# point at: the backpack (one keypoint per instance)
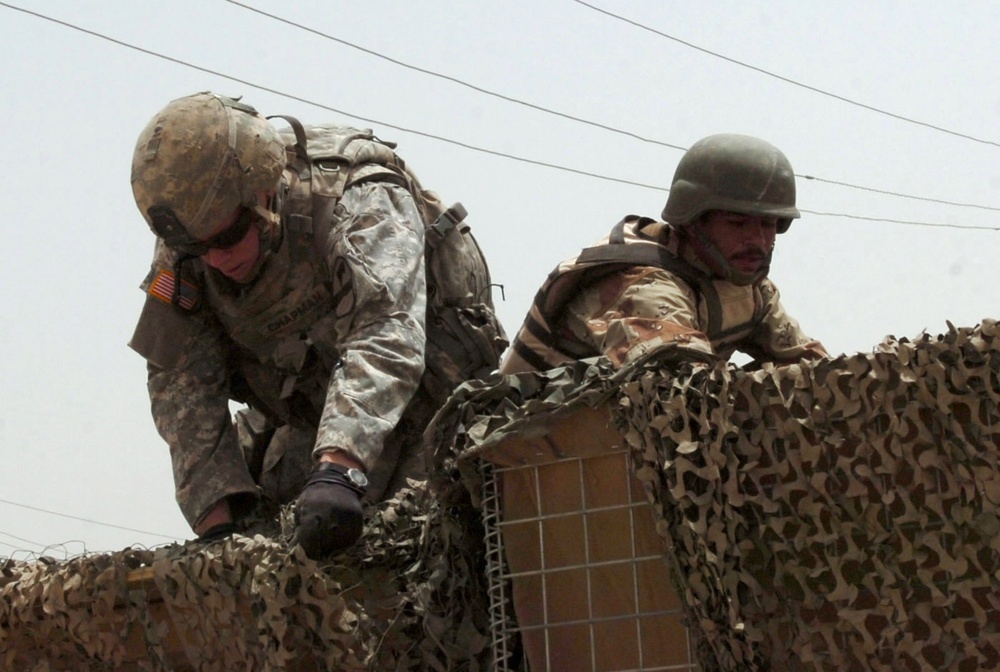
(464, 336)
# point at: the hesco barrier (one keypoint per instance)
(838, 515)
(581, 556)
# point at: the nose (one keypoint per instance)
(753, 231)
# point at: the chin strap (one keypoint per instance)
(710, 254)
(270, 231)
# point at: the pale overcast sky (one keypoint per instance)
(896, 97)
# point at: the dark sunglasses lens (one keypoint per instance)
(234, 234)
(166, 225)
(192, 249)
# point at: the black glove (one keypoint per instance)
(328, 514)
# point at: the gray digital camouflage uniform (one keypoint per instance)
(589, 307)
(327, 345)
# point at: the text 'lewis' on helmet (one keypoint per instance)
(199, 159)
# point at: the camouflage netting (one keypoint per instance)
(410, 597)
(838, 515)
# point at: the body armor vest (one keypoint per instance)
(727, 313)
(285, 323)
(285, 327)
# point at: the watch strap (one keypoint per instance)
(331, 473)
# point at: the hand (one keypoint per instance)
(328, 514)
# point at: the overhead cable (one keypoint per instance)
(85, 520)
(455, 80)
(567, 116)
(431, 136)
(14, 536)
(787, 80)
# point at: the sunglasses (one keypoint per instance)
(166, 226)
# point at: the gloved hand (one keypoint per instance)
(328, 514)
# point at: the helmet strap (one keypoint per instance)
(710, 254)
(271, 230)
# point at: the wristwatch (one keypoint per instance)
(355, 477)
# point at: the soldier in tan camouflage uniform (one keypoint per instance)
(696, 283)
(326, 346)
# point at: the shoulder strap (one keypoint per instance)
(300, 136)
(617, 251)
(447, 221)
(599, 261)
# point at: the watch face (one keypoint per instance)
(357, 477)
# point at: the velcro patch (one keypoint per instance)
(163, 289)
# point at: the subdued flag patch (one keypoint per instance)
(163, 289)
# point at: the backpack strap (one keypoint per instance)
(301, 155)
(324, 161)
(445, 223)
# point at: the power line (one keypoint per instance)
(16, 548)
(345, 113)
(893, 193)
(85, 520)
(455, 80)
(787, 80)
(900, 221)
(14, 536)
(570, 117)
(432, 136)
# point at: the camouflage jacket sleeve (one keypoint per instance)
(627, 314)
(779, 338)
(376, 251)
(189, 398)
(634, 312)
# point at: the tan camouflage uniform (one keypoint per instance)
(636, 309)
(335, 343)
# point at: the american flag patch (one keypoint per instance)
(163, 289)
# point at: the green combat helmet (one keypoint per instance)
(732, 172)
(198, 160)
(736, 173)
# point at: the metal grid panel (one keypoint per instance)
(577, 571)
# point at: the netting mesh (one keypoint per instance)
(837, 515)
(410, 597)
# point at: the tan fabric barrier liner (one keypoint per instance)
(590, 583)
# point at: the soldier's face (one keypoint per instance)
(744, 240)
(238, 260)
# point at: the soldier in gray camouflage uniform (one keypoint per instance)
(694, 287)
(325, 346)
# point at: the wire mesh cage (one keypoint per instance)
(577, 573)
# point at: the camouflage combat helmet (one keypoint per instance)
(732, 172)
(198, 160)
